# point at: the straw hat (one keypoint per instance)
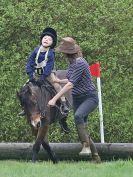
(68, 45)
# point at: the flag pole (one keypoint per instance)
(95, 71)
(100, 109)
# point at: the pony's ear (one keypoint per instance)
(29, 90)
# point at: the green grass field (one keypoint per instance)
(66, 169)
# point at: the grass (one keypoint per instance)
(66, 169)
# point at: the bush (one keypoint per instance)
(104, 31)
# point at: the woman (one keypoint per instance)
(84, 94)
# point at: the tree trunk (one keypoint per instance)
(66, 151)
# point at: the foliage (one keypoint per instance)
(104, 31)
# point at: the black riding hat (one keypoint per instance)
(50, 32)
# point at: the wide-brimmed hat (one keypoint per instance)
(68, 45)
(50, 32)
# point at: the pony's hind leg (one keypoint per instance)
(50, 152)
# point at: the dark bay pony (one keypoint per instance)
(34, 101)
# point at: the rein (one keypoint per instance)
(42, 103)
(48, 86)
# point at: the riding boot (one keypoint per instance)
(64, 107)
(64, 125)
(22, 113)
(95, 157)
(84, 138)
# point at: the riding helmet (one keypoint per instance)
(50, 32)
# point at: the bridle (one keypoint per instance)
(41, 103)
(40, 94)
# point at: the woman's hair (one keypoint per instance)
(75, 55)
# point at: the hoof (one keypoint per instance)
(96, 159)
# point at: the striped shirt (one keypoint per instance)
(79, 75)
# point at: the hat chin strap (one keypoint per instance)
(45, 47)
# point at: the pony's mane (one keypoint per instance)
(24, 94)
(29, 88)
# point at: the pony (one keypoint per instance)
(34, 101)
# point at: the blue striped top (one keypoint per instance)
(79, 74)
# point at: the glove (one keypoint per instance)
(32, 80)
(40, 82)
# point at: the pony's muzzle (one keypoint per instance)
(36, 125)
(36, 121)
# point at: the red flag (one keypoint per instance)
(95, 70)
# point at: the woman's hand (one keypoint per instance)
(56, 80)
(52, 102)
(60, 81)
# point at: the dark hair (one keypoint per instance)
(75, 55)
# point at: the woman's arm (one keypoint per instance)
(61, 81)
(65, 89)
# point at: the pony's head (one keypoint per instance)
(34, 103)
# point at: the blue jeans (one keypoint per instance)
(83, 105)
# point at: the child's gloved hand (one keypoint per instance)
(32, 80)
(40, 82)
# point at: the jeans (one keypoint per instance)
(83, 105)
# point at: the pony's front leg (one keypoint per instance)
(35, 150)
(50, 152)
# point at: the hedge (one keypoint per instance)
(104, 31)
